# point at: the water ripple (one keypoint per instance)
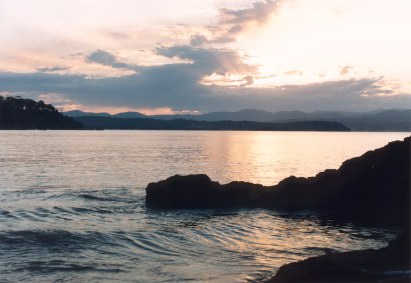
(110, 235)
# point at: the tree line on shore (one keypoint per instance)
(17, 113)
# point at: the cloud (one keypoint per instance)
(107, 59)
(259, 13)
(198, 39)
(198, 63)
(53, 69)
(180, 86)
(249, 80)
(232, 23)
(228, 81)
(344, 70)
(175, 86)
(209, 61)
(294, 73)
(117, 35)
(54, 98)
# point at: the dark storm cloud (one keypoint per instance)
(231, 23)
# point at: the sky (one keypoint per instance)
(181, 56)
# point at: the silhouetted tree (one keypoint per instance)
(17, 113)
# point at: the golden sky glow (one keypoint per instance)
(228, 47)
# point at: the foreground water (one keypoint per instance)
(72, 205)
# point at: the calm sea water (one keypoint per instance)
(72, 205)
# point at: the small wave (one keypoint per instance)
(83, 210)
(112, 195)
(53, 240)
(321, 250)
(114, 233)
(28, 215)
(65, 195)
(8, 214)
(93, 197)
(150, 244)
(64, 266)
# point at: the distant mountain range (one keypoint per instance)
(379, 120)
(78, 113)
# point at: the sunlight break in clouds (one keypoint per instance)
(170, 56)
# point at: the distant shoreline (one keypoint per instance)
(106, 123)
(391, 120)
(197, 130)
(192, 130)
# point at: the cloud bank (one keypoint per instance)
(176, 86)
(203, 73)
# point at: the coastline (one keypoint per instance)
(373, 189)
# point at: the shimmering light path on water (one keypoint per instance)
(72, 205)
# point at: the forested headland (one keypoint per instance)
(17, 113)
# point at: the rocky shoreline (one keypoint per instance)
(388, 264)
(373, 189)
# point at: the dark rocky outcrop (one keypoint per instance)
(389, 264)
(198, 191)
(372, 187)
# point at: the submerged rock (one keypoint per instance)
(374, 187)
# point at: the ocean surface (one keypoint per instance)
(72, 205)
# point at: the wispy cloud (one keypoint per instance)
(53, 69)
(232, 23)
(294, 73)
(344, 70)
